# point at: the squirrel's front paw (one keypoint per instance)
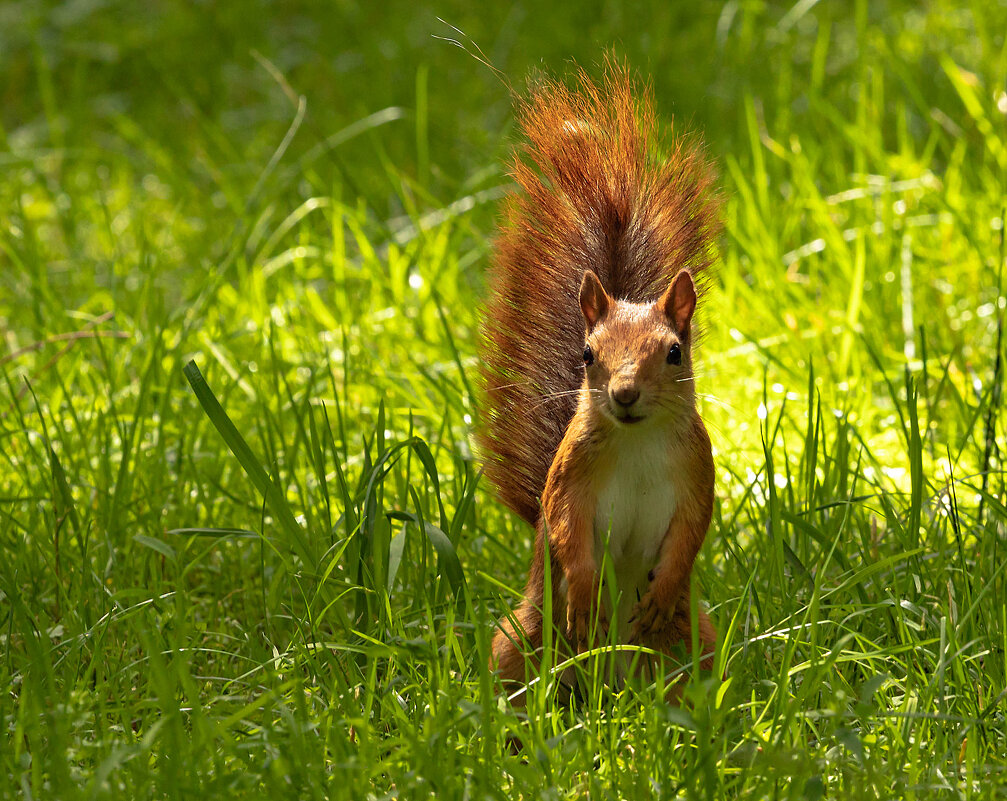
(586, 627)
(648, 619)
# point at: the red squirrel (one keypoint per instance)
(590, 426)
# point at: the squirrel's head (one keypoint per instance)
(638, 356)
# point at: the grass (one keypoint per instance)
(245, 549)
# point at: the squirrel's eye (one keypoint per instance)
(588, 355)
(675, 354)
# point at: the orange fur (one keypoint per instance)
(603, 220)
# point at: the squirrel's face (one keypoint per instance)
(638, 356)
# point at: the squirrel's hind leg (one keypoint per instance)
(674, 641)
(517, 651)
(515, 647)
(707, 636)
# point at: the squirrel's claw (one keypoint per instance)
(648, 618)
(582, 624)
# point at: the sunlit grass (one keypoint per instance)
(275, 573)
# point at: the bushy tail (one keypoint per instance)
(599, 191)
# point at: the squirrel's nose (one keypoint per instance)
(625, 395)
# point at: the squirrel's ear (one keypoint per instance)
(679, 302)
(594, 299)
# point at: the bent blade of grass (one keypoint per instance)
(447, 556)
(236, 443)
(155, 544)
(214, 532)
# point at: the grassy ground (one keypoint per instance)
(298, 604)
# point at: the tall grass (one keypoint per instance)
(246, 551)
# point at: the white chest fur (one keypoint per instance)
(636, 501)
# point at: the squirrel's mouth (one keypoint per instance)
(629, 419)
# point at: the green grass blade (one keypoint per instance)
(275, 500)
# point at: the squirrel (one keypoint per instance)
(590, 428)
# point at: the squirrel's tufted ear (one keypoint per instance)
(679, 302)
(594, 300)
